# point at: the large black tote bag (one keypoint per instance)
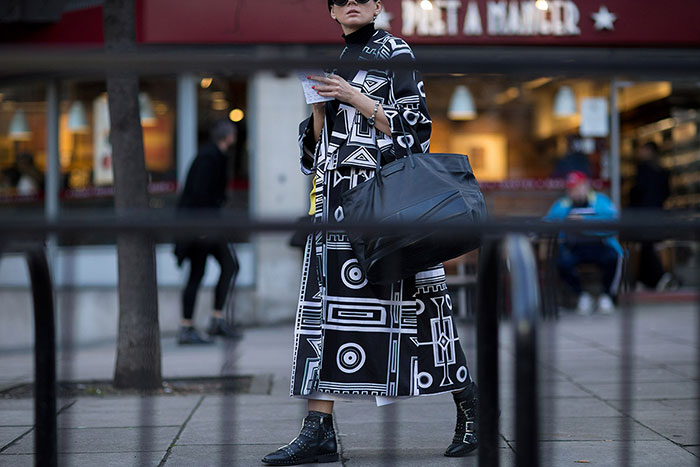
(431, 188)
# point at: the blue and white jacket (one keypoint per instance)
(603, 209)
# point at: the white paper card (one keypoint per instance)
(594, 117)
(307, 84)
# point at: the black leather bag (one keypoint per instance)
(431, 188)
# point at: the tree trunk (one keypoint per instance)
(138, 344)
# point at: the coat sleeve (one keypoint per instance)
(604, 208)
(556, 212)
(406, 104)
(199, 192)
(307, 144)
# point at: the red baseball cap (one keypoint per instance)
(575, 178)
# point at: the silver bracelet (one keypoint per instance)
(374, 114)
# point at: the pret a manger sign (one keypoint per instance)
(602, 23)
(494, 18)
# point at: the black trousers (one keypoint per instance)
(598, 253)
(197, 254)
(650, 268)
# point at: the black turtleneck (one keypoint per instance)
(361, 36)
(357, 40)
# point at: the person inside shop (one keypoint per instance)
(647, 196)
(31, 180)
(9, 177)
(205, 189)
(602, 249)
(575, 159)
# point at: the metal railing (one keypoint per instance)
(45, 438)
(501, 247)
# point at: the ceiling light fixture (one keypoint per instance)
(19, 128)
(565, 102)
(461, 104)
(146, 112)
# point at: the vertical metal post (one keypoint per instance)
(53, 169)
(45, 445)
(525, 309)
(614, 145)
(626, 364)
(487, 353)
(697, 346)
(186, 124)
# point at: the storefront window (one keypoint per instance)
(84, 148)
(85, 157)
(22, 145)
(667, 114)
(523, 136)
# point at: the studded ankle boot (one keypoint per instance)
(465, 439)
(315, 443)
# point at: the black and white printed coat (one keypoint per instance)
(352, 337)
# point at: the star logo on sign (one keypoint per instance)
(604, 19)
(383, 20)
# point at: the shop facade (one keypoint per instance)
(517, 128)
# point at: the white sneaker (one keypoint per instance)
(605, 305)
(585, 304)
(665, 282)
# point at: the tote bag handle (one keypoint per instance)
(409, 152)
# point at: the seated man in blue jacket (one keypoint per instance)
(601, 249)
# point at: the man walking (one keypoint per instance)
(205, 189)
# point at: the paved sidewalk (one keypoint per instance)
(581, 406)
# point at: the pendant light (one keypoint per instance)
(146, 112)
(461, 104)
(19, 128)
(77, 119)
(565, 102)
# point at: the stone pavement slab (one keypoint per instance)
(121, 459)
(646, 390)
(244, 455)
(104, 440)
(114, 412)
(584, 429)
(8, 434)
(419, 456)
(644, 454)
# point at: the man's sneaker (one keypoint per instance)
(189, 335)
(585, 304)
(219, 327)
(605, 305)
(666, 282)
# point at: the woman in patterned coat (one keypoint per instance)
(354, 339)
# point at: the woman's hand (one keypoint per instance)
(336, 87)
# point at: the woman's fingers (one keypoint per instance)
(321, 79)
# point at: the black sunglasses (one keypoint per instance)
(345, 2)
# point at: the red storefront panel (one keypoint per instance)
(567, 22)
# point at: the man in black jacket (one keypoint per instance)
(205, 189)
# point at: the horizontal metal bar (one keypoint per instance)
(170, 225)
(246, 59)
